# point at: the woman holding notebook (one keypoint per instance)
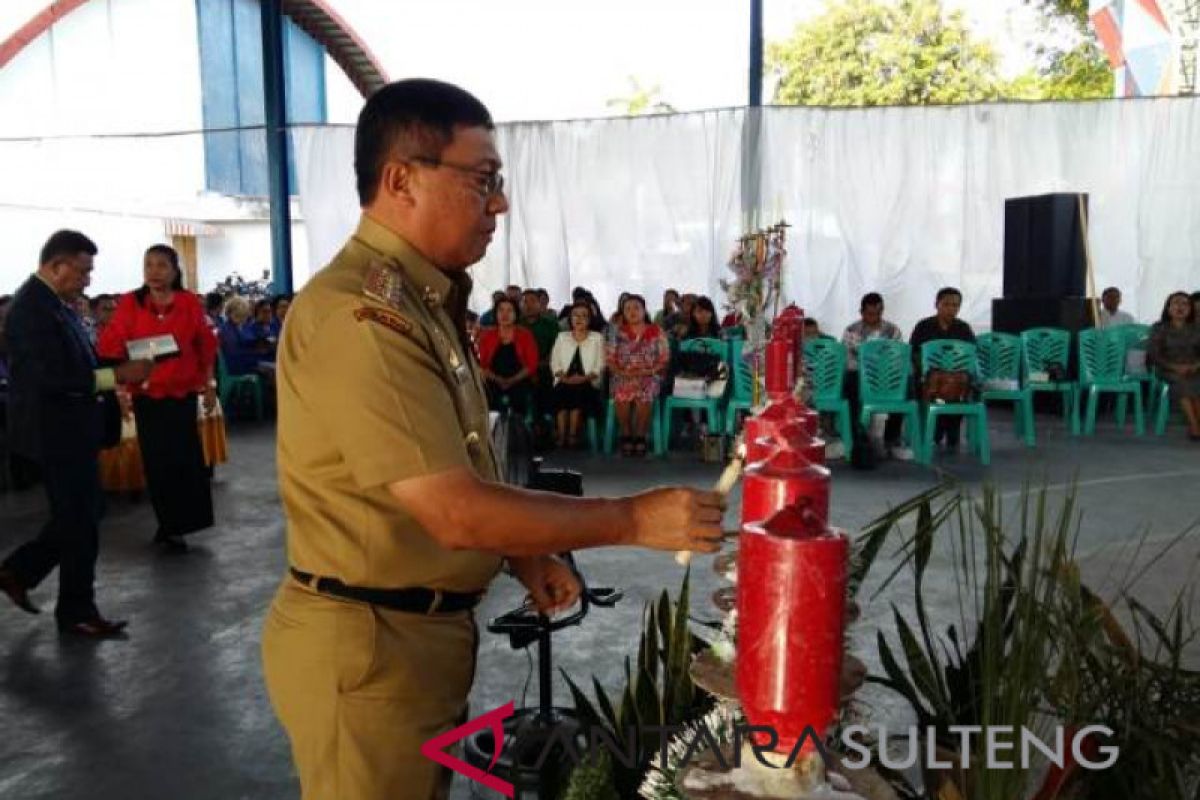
(167, 321)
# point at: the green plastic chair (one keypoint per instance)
(1137, 337)
(884, 375)
(657, 442)
(1102, 369)
(1000, 360)
(1041, 347)
(825, 367)
(231, 386)
(741, 395)
(956, 356)
(710, 405)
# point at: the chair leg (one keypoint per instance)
(844, 429)
(913, 420)
(985, 439)
(1122, 408)
(1072, 398)
(1139, 416)
(610, 428)
(1089, 425)
(667, 419)
(927, 435)
(1163, 412)
(1025, 407)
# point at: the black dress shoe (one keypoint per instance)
(98, 628)
(16, 592)
(171, 544)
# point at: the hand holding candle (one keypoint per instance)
(729, 478)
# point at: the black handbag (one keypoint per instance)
(110, 411)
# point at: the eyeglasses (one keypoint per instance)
(491, 182)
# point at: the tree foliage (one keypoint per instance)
(641, 100)
(869, 52)
(1073, 66)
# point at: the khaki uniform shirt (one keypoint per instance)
(374, 386)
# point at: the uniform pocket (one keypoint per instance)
(357, 631)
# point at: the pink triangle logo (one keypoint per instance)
(434, 749)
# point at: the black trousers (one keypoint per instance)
(895, 422)
(173, 457)
(70, 540)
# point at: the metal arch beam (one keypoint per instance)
(316, 17)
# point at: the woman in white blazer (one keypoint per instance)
(577, 362)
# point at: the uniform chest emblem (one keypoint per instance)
(385, 284)
(385, 317)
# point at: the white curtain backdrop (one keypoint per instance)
(896, 200)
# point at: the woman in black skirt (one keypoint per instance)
(577, 362)
(166, 407)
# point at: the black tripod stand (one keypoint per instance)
(531, 756)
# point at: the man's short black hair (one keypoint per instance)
(533, 292)
(66, 244)
(946, 292)
(1109, 290)
(415, 117)
(870, 299)
(213, 302)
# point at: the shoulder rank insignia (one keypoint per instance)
(385, 317)
(384, 283)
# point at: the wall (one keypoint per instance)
(245, 248)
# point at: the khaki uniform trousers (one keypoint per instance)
(360, 688)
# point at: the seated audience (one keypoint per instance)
(1174, 352)
(280, 304)
(665, 317)
(577, 362)
(509, 358)
(240, 355)
(703, 323)
(870, 326)
(1110, 315)
(637, 359)
(945, 324)
(488, 320)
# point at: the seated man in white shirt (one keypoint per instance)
(1110, 317)
(872, 326)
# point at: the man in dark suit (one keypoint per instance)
(56, 417)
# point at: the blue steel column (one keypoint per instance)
(277, 146)
(756, 52)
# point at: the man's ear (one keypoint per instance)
(396, 181)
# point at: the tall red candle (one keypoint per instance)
(779, 413)
(792, 436)
(791, 610)
(780, 373)
(786, 479)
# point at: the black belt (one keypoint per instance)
(416, 600)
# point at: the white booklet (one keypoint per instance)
(155, 348)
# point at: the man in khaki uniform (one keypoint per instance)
(396, 524)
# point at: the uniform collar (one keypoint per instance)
(435, 286)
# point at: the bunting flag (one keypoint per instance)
(1140, 45)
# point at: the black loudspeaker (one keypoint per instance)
(1017, 314)
(1043, 246)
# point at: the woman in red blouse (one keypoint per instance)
(509, 356)
(165, 406)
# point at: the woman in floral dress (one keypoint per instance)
(637, 359)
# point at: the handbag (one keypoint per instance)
(946, 386)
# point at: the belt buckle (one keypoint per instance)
(437, 602)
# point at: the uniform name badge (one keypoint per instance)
(153, 348)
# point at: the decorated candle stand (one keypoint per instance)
(779, 660)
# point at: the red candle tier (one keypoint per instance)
(791, 609)
(787, 479)
(779, 413)
(793, 436)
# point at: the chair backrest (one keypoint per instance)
(999, 357)
(1137, 338)
(743, 373)
(1102, 355)
(884, 367)
(952, 355)
(825, 366)
(716, 347)
(1044, 346)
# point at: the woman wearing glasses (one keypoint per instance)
(577, 362)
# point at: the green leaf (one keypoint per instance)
(583, 707)
(606, 706)
(897, 680)
(920, 667)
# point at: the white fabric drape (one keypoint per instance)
(896, 200)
